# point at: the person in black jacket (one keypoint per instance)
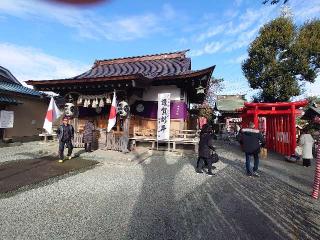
(205, 149)
(88, 135)
(65, 135)
(251, 141)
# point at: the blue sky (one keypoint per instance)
(41, 40)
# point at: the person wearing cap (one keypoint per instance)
(65, 135)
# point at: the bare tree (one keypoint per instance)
(215, 86)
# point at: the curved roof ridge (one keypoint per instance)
(159, 56)
(8, 76)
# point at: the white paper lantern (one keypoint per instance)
(79, 100)
(101, 103)
(94, 104)
(108, 99)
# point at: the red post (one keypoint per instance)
(289, 135)
(282, 135)
(271, 133)
(268, 133)
(293, 129)
(276, 132)
(255, 118)
(286, 131)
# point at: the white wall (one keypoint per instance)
(151, 93)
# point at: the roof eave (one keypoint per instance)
(35, 83)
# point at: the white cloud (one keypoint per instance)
(240, 59)
(312, 89)
(182, 41)
(27, 63)
(88, 24)
(238, 2)
(208, 48)
(238, 32)
(231, 13)
(246, 20)
(212, 31)
(130, 27)
(243, 39)
(168, 11)
(305, 10)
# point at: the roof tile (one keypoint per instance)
(11, 87)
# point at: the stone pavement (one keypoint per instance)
(157, 195)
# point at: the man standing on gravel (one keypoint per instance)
(65, 135)
(251, 141)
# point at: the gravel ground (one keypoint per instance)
(157, 195)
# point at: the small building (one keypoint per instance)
(137, 82)
(26, 107)
(312, 111)
(229, 107)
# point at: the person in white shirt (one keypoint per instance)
(306, 142)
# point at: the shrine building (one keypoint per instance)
(137, 82)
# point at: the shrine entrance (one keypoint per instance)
(277, 121)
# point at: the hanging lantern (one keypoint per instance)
(79, 100)
(200, 90)
(87, 102)
(108, 100)
(101, 103)
(94, 104)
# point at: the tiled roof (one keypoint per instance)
(311, 112)
(155, 67)
(8, 100)
(12, 87)
(149, 66)
(6, 76)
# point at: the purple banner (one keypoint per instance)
(148, 109)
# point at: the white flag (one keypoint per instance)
(52, 114)
(113, 113)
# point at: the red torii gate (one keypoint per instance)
(280, 117)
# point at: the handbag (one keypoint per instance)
(264, 153)
(214, 157)
(298, 151)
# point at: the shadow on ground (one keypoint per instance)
(22, 173)
(226, 206)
